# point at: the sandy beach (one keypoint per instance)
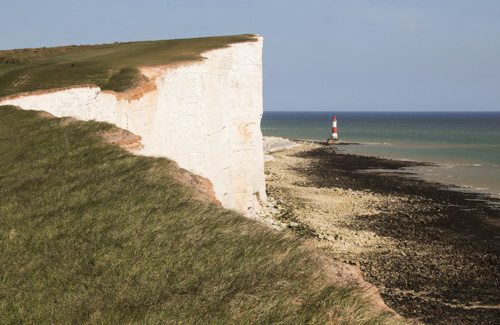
(433, 253)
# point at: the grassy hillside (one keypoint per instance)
(109, 66)
(92, 233)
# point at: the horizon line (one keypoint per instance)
(386, 111)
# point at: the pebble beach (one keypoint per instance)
(433, 253)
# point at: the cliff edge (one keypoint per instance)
(204, 114)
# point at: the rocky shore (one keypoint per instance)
(433, 253)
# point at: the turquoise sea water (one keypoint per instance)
(464, 145)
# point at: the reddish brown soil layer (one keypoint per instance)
(202, 187)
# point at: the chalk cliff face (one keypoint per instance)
(205, 115)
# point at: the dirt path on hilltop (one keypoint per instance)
(433, 253)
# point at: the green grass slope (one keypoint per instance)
(109, 66)
(90, 233)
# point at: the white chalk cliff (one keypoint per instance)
(205, 115)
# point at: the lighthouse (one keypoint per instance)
(334, 139)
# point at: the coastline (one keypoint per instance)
(448, 174)
(433, 253)
(462, 146)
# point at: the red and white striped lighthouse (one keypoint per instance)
(334, 138)
(334, 128)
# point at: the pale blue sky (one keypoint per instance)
(318, 54)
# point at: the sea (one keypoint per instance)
(463, 147)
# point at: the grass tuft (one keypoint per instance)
(122, 80)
